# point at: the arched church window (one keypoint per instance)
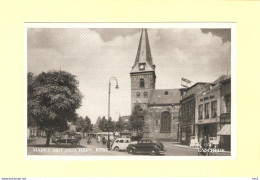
(138, 94)
(166, 122)
(145, 95)
(141, 83)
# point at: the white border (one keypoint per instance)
(216, 25)
(137, 178)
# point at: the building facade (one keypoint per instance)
(33, 132)
(177, 114)
(207, 115)
(143, 73)
(162, 117)
(161, 105)
(225, 114)
(186, 127)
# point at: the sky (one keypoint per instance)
(95, 55)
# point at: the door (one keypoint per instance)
(188, 134)
(139, 145)
(126, 143)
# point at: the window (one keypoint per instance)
(141, 83)
(138, 94)
(206, 110)
(166, 93)
(228, 103)
(214, 109)
(166, 122)
(201, 111)
(121, 141)
(145, 94)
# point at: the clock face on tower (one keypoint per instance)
(141, 66)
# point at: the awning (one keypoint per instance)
(225, 130)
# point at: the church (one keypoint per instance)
(162, 105)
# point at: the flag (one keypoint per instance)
(185, 82)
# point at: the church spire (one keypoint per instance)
(144, 60)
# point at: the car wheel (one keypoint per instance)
(116, 148)
(73, 143)
(153, 152)
(130, 151)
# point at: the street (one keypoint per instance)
(97, 149)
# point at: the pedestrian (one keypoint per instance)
(104, 141)
(204, 142)
(89, 140)
(205, 145)
(98, 138)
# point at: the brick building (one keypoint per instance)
(186, 127)
(225, 114)
(207, 115)
(161, 105)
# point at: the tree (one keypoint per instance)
(54, 101)
(136, 120)
(103, 124)
(30, 100)
(89, 126)
(106, 125)
(120, 124)
(83, 125)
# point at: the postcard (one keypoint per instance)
(131, 91)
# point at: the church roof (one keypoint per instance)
(165, 97)
(143, 53)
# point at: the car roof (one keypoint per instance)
(148, 140)
(145, 139)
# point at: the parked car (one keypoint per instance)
(121, 143)
(147, 146)
(73, 139)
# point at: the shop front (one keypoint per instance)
(186, 133)
(208, 130)
(225, 137)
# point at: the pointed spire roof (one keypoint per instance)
(144, 53)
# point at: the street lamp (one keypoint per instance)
(109, 91)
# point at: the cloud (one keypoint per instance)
(110, 34)
(95, 55)
(224, 34)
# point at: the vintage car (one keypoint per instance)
(146, 146)
(121, 144)
(73, 139)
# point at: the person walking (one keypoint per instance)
(205, 146)
(104, 141)
(204, 142)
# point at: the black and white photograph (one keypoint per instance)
(130, 89)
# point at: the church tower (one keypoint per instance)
(143, 73)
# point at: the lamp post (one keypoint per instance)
(109, 91)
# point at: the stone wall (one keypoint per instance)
(149, 85)
(153, 123)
